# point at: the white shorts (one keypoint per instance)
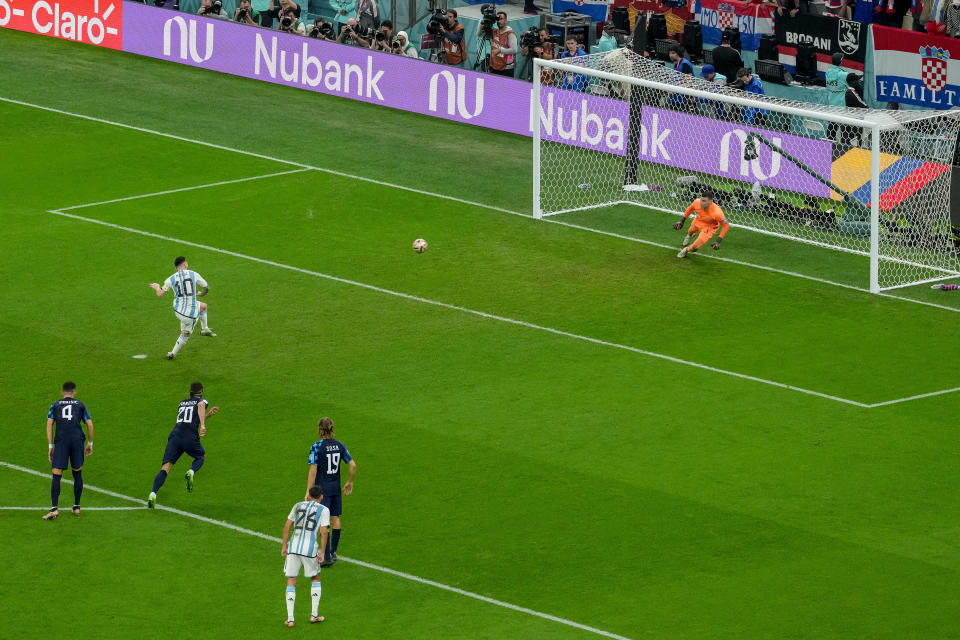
(186, 324)
(291, 568)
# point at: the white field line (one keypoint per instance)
(181, 189)
(453, 199)
(368, 565)
(482, 314)
(916, 397)
(47, 508)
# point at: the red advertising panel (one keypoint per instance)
(97, 22)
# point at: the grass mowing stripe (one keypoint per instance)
(368, 565)
(181, 189)
(455, 199)
(482, 314)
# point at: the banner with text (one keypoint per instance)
(827, 35)
(753, 20)
(916, 68)
(97, 22)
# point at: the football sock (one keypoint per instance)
(55, 490)
(335, 540)
(159, 480)
(181, 340)
(314, 598)
(77, 486)
(291, 598)
(197, 463)
(203, 320)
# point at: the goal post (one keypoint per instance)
(616, 129)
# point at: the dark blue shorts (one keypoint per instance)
(178, 444)
(334, 503)
(71, 450)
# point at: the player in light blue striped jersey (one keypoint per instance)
(301, 550)
(187, 286)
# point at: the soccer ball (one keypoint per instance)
(420, 245)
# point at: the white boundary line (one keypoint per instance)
(455, 199)
(42, 509)
(368, 565)
(916, 397)
(454, 307)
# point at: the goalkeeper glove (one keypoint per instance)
(716, 245)
(678, 226)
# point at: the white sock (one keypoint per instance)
(315, 598)
(203, 321)
(291, 598)
(181, 340)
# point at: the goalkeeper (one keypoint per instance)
(707, 219)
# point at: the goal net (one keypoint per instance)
(615, 128)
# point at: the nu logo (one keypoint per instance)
(187, 34)
(748, 168)
(460, 95)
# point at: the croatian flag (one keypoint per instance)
(753, 20)
(916, 68)
(596, 9)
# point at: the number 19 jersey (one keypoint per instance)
(327, 455)
(185, 284)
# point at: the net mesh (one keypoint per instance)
(795, 170)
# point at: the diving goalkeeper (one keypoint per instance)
(707, 218)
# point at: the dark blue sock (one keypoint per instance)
(77, 486)
(55, 490)
(335, 540)
(197, 463)
(159, 480)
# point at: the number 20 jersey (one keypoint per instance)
(188, 416)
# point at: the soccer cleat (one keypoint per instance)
(289, 623)
(683, 253)
(76, 509)
(170, 355)
(315, 619)
(327, 563)
(189, 476)
(686, 240)
(53, 514)
(208, 332)
(333, 556)
(151, 500)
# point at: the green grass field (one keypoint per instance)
(517, 398)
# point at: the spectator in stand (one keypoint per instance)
(573, 81)
(212, 9)
(368, 14)
(607, 41)
(709, 73)
(787, 8)
(681, 67)
(726, 59)
(503, 47)
(529, 8)
(343, 10)
(889, 13)
(750, 83)
(403, 46)
(454, 41)
(951, 19)
(350, 36)
(845, 10)
(854, 94)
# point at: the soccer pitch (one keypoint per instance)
(560, 432)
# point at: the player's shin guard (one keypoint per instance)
(203, 321)
(55, 491)
(77, 486)
(181, 340)
(197, 463)
(314, 598)
(334, 540)
(291, 599)
(159, 480)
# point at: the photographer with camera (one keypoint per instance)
(503, 41)
(383, 38)
(212, 9)
(321, 30)
(291, 23)
(246, 14)
(402, 46)
(454, 39)
(353, 35)
(537, 43)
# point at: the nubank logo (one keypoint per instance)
(456, 94)
(748, 168)
(188, 35)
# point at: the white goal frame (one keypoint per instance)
(874, 122)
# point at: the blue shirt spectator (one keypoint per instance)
(751, 84)
(574, 81)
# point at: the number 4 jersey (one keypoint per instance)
(69, 415)
(327, 455)
(185, 284)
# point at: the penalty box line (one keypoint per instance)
(432, 194)
(482, 314)
(368, 565)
